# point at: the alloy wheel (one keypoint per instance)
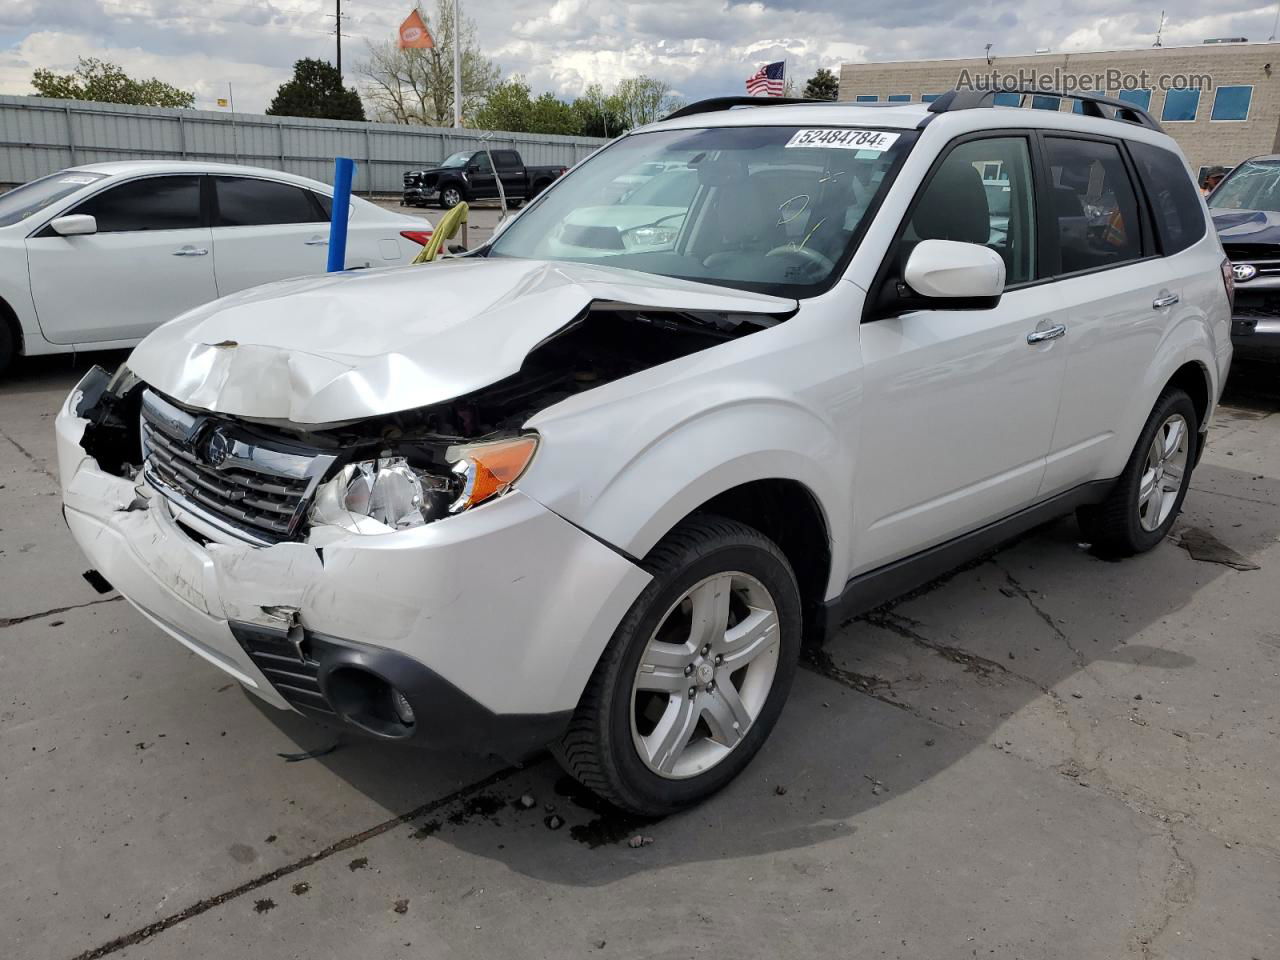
(705, 675)
(1163, 473)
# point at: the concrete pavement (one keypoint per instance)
(1043, 756)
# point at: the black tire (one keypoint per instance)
(450, 197)
(598, 749)
(8, 348)
(1114, 527)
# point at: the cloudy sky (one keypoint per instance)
(702, 47)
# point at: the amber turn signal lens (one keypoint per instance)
(489, 469)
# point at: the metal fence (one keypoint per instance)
(40, 136)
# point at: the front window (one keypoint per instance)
(775, 209)
(457, 160)
(31, 198)
(1254, 185)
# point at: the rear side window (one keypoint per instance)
(1174, 198)
(245, 202)
(1093, 204)
(154, 203)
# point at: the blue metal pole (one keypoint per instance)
(343, 168)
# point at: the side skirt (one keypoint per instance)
(868, 590)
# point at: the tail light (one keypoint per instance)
(420, 237)
(1229, 281)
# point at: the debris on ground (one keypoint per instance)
(527, 801)
(262, 906)
(554, 822)
(299, 888)
(402, 906)
(780, 790)
(1203, 545)
(359, 863)
(639, 841)
(310, 754)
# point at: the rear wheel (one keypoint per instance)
(7, 345)
(1146, 499)
(696, 674)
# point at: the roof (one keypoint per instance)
(894, 116)
(126, 168)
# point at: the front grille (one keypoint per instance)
(258, 490)
(285, 664)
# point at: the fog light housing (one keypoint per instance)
(403, 708)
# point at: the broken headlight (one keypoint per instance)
(378, 496)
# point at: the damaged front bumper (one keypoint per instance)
(487, 625)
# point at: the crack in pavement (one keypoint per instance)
(347, 843)
(31, 457)
(1234, 496)
(14, 621)
(1179, 890)
(1077, 655)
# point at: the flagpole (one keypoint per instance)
(457, 66)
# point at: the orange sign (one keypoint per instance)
(414, 33)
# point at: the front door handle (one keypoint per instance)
(1047, 333)
(316, 242)
(189, 251)
(1167, 300)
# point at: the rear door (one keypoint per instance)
(265, 230)
(960, 402)
(149, 261)
(1116, 297)
(511, 171)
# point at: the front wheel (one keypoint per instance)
(696, 674)
(1147, 497)
(450, 197)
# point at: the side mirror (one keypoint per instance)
(76, 225)
(967, 275)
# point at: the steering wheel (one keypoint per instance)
(813, 260)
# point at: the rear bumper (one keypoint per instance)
(489, 622)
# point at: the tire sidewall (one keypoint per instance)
(633, 778)
(1175, 401)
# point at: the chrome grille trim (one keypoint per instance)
(257, 492)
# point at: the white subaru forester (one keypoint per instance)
(590, 485)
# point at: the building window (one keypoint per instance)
(1007, 99)
(899, 98)
(1041, 102)
(1139, 98)
(929, 97)
(1231, 103)
(866, 98)
(1180, 106)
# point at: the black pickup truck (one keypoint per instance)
(470, 176)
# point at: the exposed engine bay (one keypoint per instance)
(267, 482)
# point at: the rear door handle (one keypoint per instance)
(190, 251)
(1168, 300)
(1047, 333)
(316, 242)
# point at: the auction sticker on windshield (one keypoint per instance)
(876, 141)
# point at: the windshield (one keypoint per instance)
(775, 209)
(457, 160)
(1250, 186)
(31, 198)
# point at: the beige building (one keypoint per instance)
(1220, 101)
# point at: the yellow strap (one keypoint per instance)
(446, 229)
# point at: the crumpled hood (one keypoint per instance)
(1247, 226)
(345, 346)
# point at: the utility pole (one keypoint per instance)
(337, 32)
(457, 67)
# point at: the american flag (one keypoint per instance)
(767, 81)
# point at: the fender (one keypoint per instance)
(17, 298)
(675, 456)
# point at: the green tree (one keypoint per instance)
(642, 100)
(416, 86)
(106, 82)
(508, 107)
(316, 90)
(823, 85)
(599, 114)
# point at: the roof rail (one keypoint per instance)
(1091, 104)
(724, 103)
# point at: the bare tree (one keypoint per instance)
(416, 86)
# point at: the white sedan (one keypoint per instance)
(97, 256)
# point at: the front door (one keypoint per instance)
(149, 261)
(483, 185)
(960, 403)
